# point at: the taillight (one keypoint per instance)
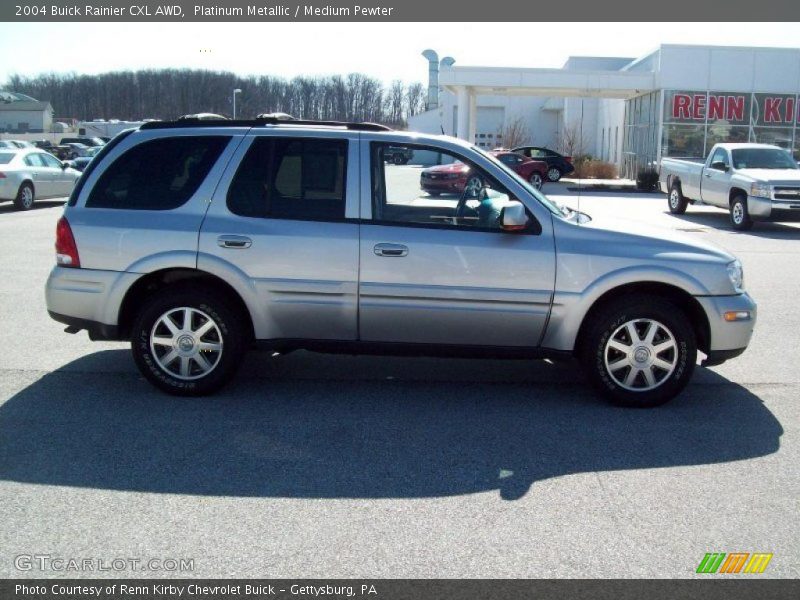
(66, 248)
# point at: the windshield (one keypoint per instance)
(5, 157)
(544, 200)
(762, 158)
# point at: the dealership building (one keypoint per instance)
(677, 101)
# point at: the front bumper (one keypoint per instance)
(762, 209)
(727, 339)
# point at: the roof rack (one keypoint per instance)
(263, 119)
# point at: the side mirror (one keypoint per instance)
(64, 165)
(513, 217)
(719, 166)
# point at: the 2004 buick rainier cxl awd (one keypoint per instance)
(195, 239)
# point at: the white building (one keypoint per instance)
(22, 114)
(676, 101)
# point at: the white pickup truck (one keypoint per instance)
(751, 181)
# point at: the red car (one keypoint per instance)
(453, 178)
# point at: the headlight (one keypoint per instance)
(736, 275)
(761, 190)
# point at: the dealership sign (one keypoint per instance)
(774, 110)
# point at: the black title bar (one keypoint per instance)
(370, 11)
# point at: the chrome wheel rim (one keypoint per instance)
(738, 213)
(536, 181)
(473, 186)
(186, 343)
(641, 355)
(554, 174)
(27, 197)
(673, 199)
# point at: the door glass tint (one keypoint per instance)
(157, 175)
(439, 190)
(34, 160)
(291, 178)
(51, 161)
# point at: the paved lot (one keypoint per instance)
(320, 466)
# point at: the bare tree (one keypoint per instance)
(570, 141)
(514, 133)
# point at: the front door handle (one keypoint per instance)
(391, 250)
(234, 241)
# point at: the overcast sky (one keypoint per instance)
(386, 50)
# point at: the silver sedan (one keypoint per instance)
(29, 174)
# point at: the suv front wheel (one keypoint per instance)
(187, 341)
(640, 352)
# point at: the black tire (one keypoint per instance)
(398, 160)
(612, 320)
(435, 194)
(536, 180)
(229, 329)
(675, 200)
(554, 174)
(26, 196)
(739, 215)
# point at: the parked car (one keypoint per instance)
(46, 145)
(753, 182)
(398, 155)
(455, 177)
(193, 241)
(79, 164)
(86, 141)
(558, 165)
(30, 174)
(15, 144)
(75, 150)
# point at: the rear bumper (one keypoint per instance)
(727, 339)
(87, 298)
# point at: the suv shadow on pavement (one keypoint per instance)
(313, 426)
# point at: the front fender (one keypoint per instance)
(570, 307)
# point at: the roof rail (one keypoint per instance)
(280, 119)
(266, 119)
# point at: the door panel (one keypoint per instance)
(455, 287)
(302, 274)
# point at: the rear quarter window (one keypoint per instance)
(159, 174)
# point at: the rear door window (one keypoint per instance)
(159, 174)
(291, 178)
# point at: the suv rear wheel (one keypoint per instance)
(640, 352)
(187, 341)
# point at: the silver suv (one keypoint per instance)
(195, 240)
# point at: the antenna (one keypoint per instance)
(580, 147)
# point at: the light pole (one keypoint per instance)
(236, 91)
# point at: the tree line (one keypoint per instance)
(170, 93)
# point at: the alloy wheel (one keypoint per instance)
(641, 355)
(186, 343)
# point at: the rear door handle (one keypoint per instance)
(234, 241)
(391, 250)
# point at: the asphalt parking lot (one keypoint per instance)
(331, 466)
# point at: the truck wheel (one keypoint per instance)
(677, 203)
(740, 218)
(639, 352)
(188, 341)
(25, 197)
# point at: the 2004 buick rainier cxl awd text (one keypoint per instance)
(195, 239)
